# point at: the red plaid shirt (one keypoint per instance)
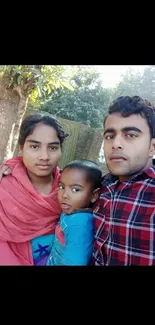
(125, 221)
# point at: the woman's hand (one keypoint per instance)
(5, 170)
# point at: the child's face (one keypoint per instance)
(75, 191)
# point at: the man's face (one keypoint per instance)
(127, 145)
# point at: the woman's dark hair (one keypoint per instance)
(127, 105)
(29, 123)
(90, 168)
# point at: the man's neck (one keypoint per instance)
(124, 178)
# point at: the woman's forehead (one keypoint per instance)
(43, 133)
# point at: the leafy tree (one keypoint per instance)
(87, 103)
(137, 84)
(20, 84)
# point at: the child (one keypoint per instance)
(79, 186)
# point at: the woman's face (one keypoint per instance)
(41, 151)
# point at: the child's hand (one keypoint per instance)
(5, 170)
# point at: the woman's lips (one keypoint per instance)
(43, 167)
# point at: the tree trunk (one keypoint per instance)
(13, 104)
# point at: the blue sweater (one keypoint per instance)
(74, 238)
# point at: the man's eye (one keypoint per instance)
(108, 137)
(131, 135)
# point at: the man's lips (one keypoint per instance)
(117, 157)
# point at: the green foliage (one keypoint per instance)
(35, 80)
(137, 84)
(87, 103)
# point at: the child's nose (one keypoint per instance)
(65, 194)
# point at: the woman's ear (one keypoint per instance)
(95, 195)
(20, 151)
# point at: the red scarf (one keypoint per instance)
(24, 214)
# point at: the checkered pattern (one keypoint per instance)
(125, 221)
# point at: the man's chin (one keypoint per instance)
(118, 172)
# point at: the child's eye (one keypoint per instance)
(61, 187)
(75, 189)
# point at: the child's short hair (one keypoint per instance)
(92, 170)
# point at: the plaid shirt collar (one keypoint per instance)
(110, 179)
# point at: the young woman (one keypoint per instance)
(29, 207)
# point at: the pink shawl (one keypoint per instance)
(24, 214)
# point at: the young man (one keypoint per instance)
(125, 212)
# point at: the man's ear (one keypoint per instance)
(152, 148)
(20, 151)
(95, 195)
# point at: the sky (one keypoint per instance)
(111, 74)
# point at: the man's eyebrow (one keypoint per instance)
(35, 141)
(110, 130)
(132, 128)
(128, 128)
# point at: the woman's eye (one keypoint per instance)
(53, 148)
(34, 146)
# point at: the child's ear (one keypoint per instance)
(95, 195)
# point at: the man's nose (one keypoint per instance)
(117, 143)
